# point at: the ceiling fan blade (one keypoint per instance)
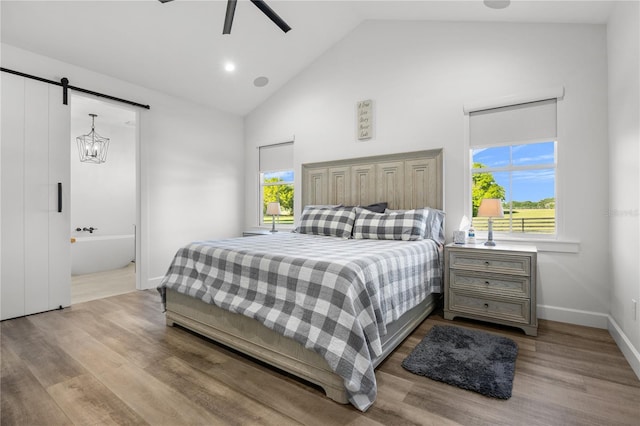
(228, 18)
(260, 4)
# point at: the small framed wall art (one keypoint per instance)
(364, 120)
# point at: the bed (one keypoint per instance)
(325, 308)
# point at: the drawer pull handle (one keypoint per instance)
(486, 306)
(487, 263)
(486, 283)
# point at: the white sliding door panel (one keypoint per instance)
(35, 156)
(36, 196)
(11, 285)
(59, 222)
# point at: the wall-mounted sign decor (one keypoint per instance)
(364, 120)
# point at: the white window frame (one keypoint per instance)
(262, 185)
(274, 166)
(515, 168)
(559, 244)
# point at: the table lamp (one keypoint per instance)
(490, 207)
(273, 209)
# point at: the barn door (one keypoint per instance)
(34, 180)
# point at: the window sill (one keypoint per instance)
(543, 245)
(267, 226)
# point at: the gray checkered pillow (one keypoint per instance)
(323, 221)
(434, 229)
(407, 226)
(435, 225)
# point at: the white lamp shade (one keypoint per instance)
(273, 209)
(490, 207)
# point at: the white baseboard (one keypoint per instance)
(574, 316)
(623, 342)
(151, 283)
(597, 320)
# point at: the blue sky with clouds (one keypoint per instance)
(526, 185)
(286, 176)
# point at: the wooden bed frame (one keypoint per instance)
(405, 181)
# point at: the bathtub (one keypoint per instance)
(98, 253)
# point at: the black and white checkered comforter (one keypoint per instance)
(332, 295)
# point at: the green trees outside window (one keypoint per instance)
(278, 187)
(484, 186)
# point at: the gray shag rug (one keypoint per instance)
(469, 359)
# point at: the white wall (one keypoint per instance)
(195, 178)
(419, 75)
(191, 163)
(623, 42)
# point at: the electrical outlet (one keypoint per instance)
(634, 308)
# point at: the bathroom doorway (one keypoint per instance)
(103, 196)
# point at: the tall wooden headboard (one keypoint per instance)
(406, 181)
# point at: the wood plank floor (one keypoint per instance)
(103, 284)
(113, 361)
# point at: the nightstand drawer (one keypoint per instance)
(501, 285)
(515, 310)
(503, 264)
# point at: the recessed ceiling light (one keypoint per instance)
(497, 4)
(229, 67)
(261, 81)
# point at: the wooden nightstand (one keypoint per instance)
(495, 284)
(256, 231)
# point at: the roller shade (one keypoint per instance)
(276, 157)
(533, 121)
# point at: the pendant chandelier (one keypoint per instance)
(92, 147)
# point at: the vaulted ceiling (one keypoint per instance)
(178, 47)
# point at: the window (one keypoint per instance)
(276, 182)
(523, 176)
(513, 158)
